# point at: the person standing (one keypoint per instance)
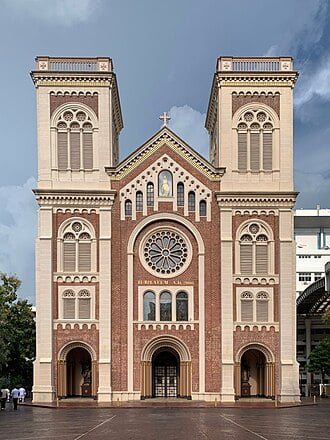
(22, 394)
(15, 396)
(3, 397)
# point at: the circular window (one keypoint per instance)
(165, 253)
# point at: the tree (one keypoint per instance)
(326, 317)
(319, 359)
(17, 335)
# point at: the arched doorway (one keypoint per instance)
(255, 372)
(79, 373)
(166, 373)
(76, 371)
(165, 368)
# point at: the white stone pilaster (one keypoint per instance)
(104, 390)
(226, 269)
(43, 388)
(289, 367)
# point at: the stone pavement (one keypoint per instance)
(28, 422)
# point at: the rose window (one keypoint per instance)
(165, 252)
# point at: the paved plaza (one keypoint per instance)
(307, 422)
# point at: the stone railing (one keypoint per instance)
(255, 64)
(60, 64)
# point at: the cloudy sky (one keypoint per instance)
(164, 54)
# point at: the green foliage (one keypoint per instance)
(17, 335)
(326, 317)
(319, 359)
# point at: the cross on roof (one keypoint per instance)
(164, 117)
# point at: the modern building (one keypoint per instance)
(166, 274)
(312, 234)
(311, 329)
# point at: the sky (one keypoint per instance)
(164, 55)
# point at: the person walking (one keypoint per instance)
(3, 398)
(22, 394)
(15, 396)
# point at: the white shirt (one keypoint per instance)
(15, 393)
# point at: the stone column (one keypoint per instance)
(308, 323)
(94, 378)
(237, 379)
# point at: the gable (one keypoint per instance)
(165, 136)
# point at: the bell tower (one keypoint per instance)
(250, 122)
(79, 121)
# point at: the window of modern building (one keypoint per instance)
(318, 276)
(305, 276)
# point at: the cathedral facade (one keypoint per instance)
(165, 275)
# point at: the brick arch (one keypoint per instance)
(164, 342)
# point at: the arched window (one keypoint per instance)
(165, 303)
(180, 194)
(76, 306)
(128, 208)
(191, 201)
(182, 306)
(165, 187)
(202, 208)
(139, 201)
(254, 249)
(150, 194)
(69, 302)
(84, 304)
(76, 245)
(262, 301)
(149, 306)
(246, 307)
(255, 141)
(74, 141)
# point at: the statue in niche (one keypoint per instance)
(165, 184)
(86, 373)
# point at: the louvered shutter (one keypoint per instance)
(261, 259)
(69, 254)
(62, 150)
(84, 257)
(255, 151)
(242, 151)
(268, 151)
(88, 150)
(246, 310)
(246, 258)
(262, 311)
(84, 308)
(68, 308)
(75, 150)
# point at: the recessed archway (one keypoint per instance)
(165, 368)
(255, 372)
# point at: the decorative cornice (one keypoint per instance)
(250, 199)
(165, 136)
(76, 198)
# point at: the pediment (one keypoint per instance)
(165, 136)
